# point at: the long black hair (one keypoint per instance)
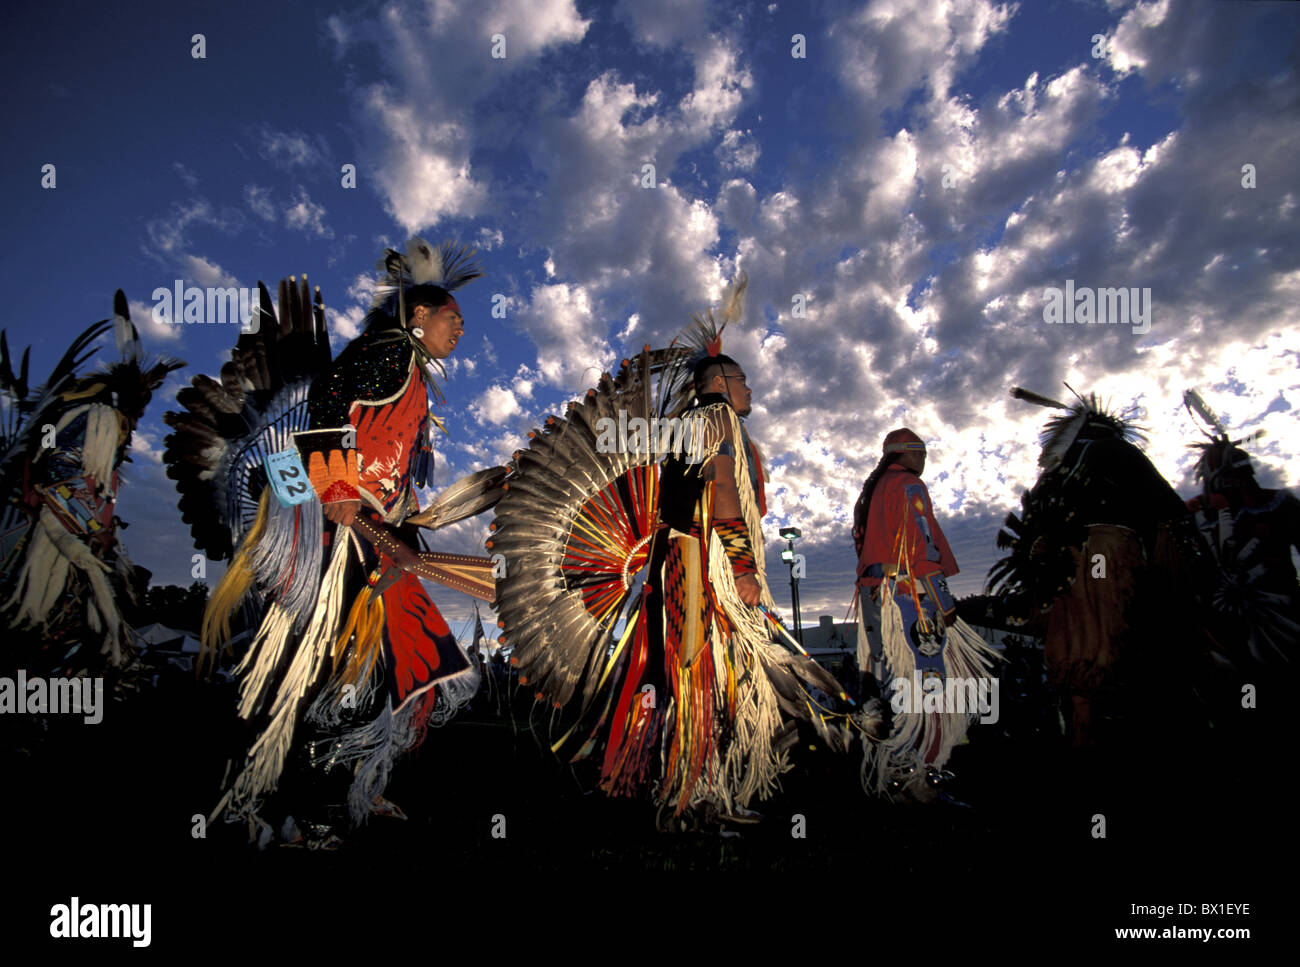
(861, 508)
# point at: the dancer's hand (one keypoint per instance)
(747, 588)
(342, 511)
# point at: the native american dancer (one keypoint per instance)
(63, 570)
(691, 679)
(908, 628)
(1103, 551)
(318, 470)
(1249, 533)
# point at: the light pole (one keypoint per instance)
(790, 534)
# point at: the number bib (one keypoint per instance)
(288, 478)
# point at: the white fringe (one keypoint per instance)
(455, 692)
(965, 655)
(373, 747)
(376, 745)
(262, 658)
(35, 595)
(370, 747)
(99, 447)
(749, 766)
(328, 712)
(291, 545)
(265, 761)
(44, 578)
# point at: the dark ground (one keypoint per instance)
(1193, 816)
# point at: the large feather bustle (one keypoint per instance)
(227, 427)
(558, 645)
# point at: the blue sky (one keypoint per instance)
(822, 176)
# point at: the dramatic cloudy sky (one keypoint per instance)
(919, 176)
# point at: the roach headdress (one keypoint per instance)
(1086, 418)
(1219, 455)
(701, 340)
(448, 265)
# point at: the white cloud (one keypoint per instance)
(891, 47)
(308, 216)
(345, 324)
(666, 23)
(291, 150)
(207, 274)
(186, 175)
(258, 200)
(338, 32)
(1128, 47)
(146, 444)
(169, 233)
(738, 149)
(151, 332)
(425, 124)
(720, 85)
(495, 406)
(560, 321)
(426, 175)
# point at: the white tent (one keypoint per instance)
(159, 635)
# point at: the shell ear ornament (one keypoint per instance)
(417, 332)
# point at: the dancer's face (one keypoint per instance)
(442, 327)
(731, 384)
(913, 460)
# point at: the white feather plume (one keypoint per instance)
(447, 264)
(1192, 400)
(126, 339)
(424, 261)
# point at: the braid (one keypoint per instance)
(863, 505)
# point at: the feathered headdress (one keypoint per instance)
(133, 380)
(701, 339)
(24, 409)
(1219, 454)
(1062, 431)
(448, 265)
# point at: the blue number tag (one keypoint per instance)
(288, 478)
